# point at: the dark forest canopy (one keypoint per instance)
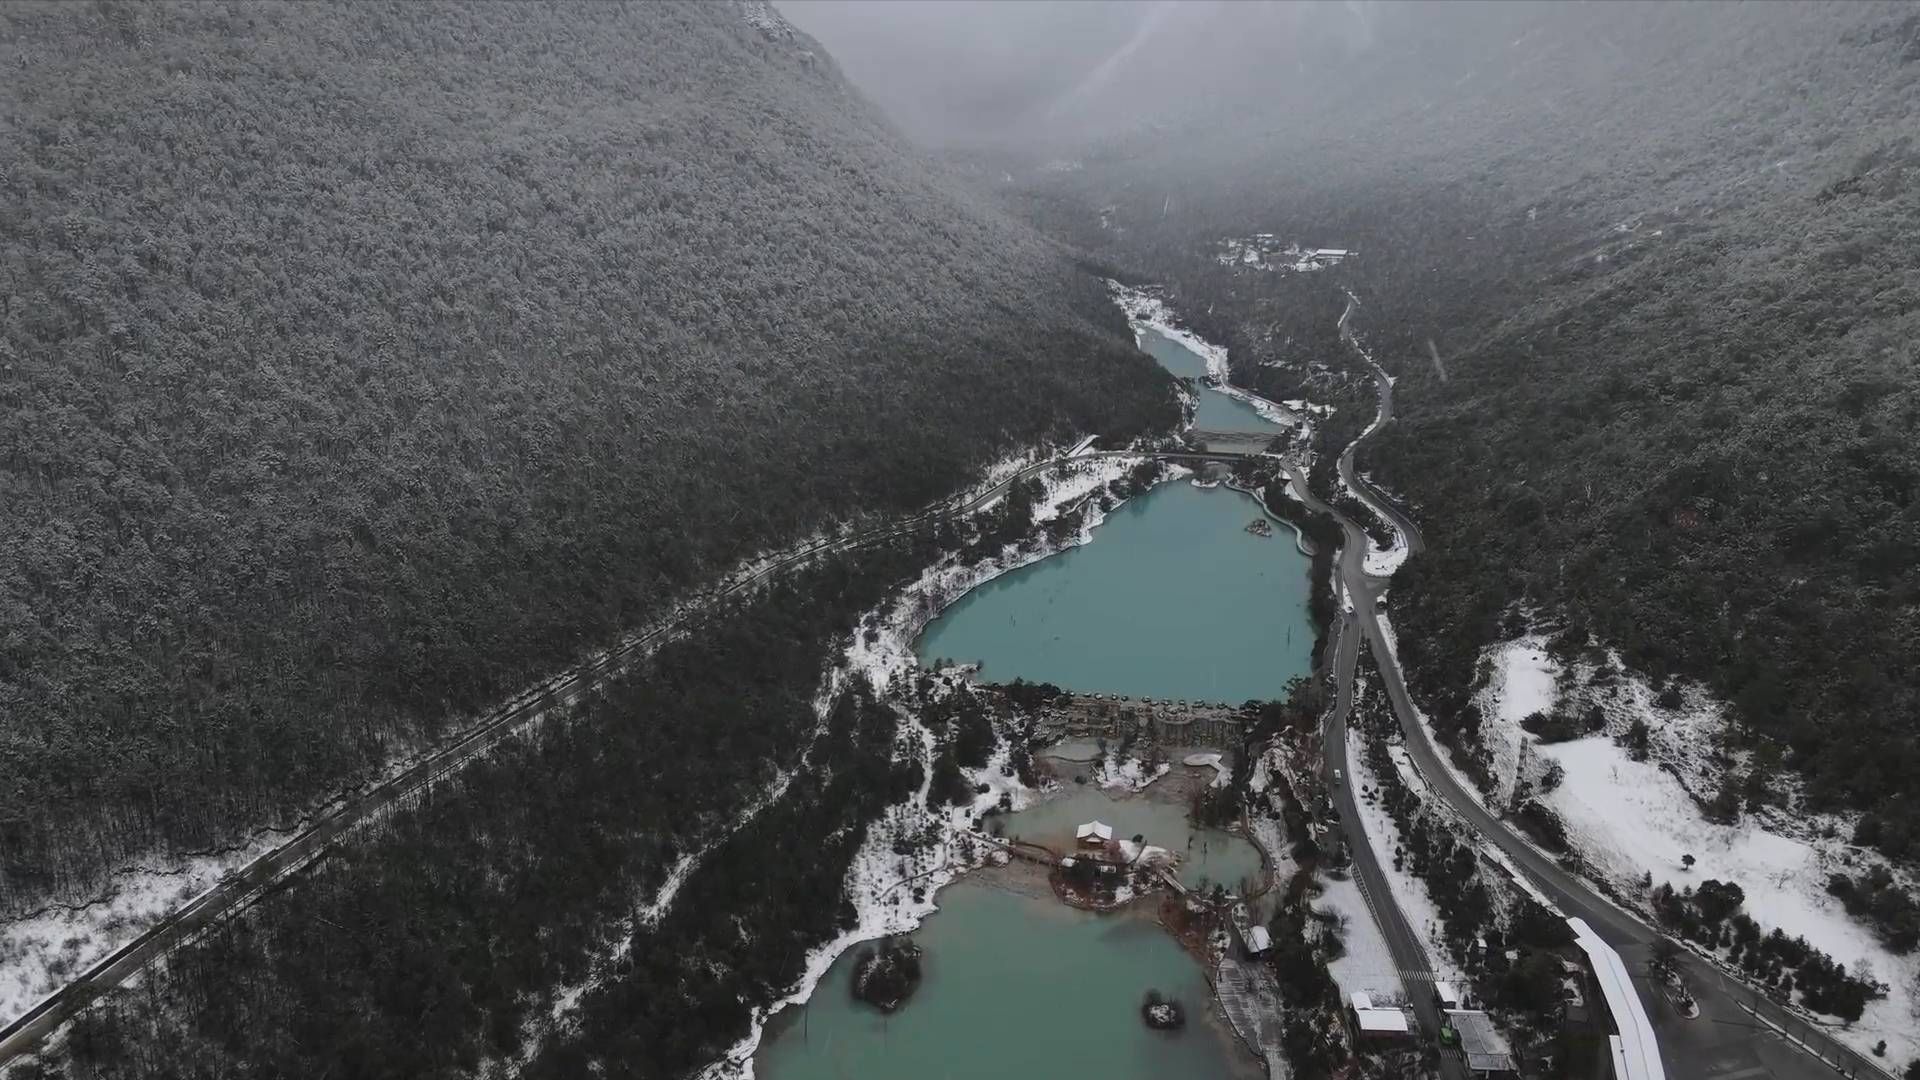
(360, 363)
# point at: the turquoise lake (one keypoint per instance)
(1011, 987)
(1172, 598)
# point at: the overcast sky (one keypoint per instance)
(967, 70)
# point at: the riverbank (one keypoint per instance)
(1146, 311)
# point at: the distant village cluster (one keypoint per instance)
(1263, 251)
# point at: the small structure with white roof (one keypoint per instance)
(1374, 1024)
(1094, 832)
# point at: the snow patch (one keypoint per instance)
(1409, 892)
(1630, 818)
(41, 952)
(1367, 965)
(1132, 774)
(1222, 776)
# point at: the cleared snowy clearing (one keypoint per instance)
(1367, 966)
(1630, 818)
(42, 952)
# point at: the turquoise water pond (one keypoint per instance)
(1173, 598)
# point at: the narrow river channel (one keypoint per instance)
(1213, 411)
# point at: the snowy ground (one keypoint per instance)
(1131, 775)
(1521, 683)
(1409, 892)
(1367, 966)
(43, 951)
(1632, 818)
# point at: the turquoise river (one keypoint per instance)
(1214, 411)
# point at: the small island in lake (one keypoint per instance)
(1260, 527)
(1162, 1014)
(885, 977)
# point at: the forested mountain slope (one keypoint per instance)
(1649, 284)
(362, 362)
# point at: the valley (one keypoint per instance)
(715, 539)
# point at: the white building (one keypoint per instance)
(1372, 1023)
(1094, 832)
(1258, 940)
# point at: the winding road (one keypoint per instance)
(1737, 1035)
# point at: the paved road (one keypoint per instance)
(1725, 1040)
(1408, 952)
(1383, 415)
